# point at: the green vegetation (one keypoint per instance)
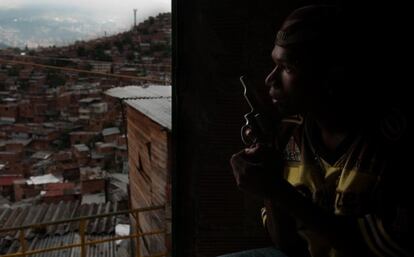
(157, 47)
(120, 46)
(55, 78)
(13, 71)
(99, 52)
(81, 51)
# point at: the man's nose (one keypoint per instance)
(271, 78)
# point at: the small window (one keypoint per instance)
(140, 168)
(149, 149)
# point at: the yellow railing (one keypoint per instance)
(24, 252)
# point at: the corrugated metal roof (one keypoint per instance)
(119, 176)
(4, 202)
(159, 110)
(43, 155)
(96, 156)
(105, 145)
(140, 91)
(93, 198)
(44, 179)
(110, 131)
(109, 249)
(83, 133)
(81, 147)
(89, 99)
(153, 101)
(6, 120)
(62, 234)
(24, 142)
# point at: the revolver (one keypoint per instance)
(259, 126)
(263, 124)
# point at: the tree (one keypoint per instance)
(120, 46)
(127, 40)
(13, 72)
(100, 55)
(144, 31)
(130, 56)
(88, 66)
(63, 142)
(55, 79)
(155, 47)
(81, 51)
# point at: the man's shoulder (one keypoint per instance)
(388, 130)
(392, 126)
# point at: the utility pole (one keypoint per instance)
(135, 18)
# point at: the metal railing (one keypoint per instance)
(84, 242)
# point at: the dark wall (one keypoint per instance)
(215, 43)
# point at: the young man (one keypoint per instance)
(338, 187)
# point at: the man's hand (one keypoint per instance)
(256, 169)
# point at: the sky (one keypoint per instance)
(119, 9)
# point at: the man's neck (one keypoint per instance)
(332, 140)
(331, 136)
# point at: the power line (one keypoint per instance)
(82, 60)
(84, 71)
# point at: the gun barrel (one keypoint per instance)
(250, 95)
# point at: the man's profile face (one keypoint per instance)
(290, 82)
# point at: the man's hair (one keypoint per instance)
(316, 32)
(318, 39)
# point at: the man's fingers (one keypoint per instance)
(250, 150)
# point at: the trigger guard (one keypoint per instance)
(246, 140)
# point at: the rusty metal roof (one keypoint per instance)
(153, 101)
(7, 180)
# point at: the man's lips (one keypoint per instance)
(276, 101)
(276, 98)
(275, 95)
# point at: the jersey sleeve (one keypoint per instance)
(388, 230)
